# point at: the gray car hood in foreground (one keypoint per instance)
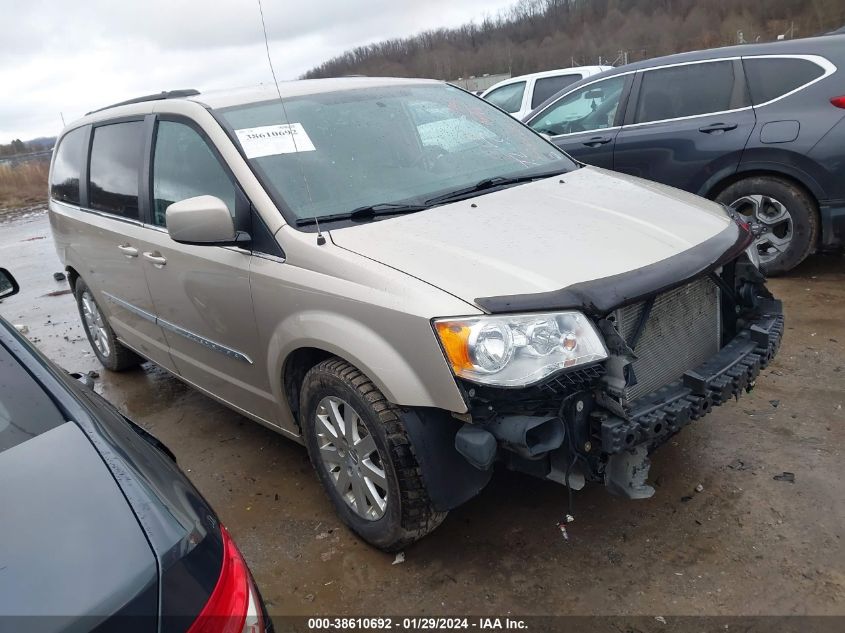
(540, 236)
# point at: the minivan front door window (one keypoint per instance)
(592, 107)
(116, 155)
(184, 167)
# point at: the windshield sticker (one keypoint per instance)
(269, 140)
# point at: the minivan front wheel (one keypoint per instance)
(110, 352)
(783, 216)
(364, 458)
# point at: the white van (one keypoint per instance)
(519, 95)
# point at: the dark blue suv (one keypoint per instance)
(757, 127)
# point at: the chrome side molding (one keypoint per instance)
(178, 329)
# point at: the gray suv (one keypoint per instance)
(760, 128)
(410, 283)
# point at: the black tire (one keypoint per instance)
(119, 357)
(409, 514)
(800, 205)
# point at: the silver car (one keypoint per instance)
(409, 282)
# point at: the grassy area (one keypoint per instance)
(24, 184)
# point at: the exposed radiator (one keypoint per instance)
(682, 331)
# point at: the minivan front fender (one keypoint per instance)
(426, 383)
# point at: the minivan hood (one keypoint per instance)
(541, 236)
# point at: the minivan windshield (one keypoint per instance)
(395, 149)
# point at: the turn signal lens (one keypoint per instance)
(454, 338)
(839, 102)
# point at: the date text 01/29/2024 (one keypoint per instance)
(416, 624)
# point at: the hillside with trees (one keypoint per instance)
(538, 35)
(18, 147)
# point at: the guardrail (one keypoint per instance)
(19, 159)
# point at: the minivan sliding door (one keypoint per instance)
(110, 238)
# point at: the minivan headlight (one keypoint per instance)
(519, 349)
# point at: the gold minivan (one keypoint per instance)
(409, 282)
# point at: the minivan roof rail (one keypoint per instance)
(159, 96)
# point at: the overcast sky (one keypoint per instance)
(73, 56)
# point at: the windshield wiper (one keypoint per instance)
(370, 211)
(490, 183)
(366, 212)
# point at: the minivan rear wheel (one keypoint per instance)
(783, 214)
(363, 457)
(110, 352)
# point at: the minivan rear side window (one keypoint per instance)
(689, 90)
(184, 167)
(773, 77)
(67, 166)
(546, 87)
(116, 156)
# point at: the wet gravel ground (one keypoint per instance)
(748, 543)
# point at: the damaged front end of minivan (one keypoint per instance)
(676, 338)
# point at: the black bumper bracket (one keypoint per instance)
(734, 369)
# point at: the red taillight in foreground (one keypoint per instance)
(233, 605)
(839, 102)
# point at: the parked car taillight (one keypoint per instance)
(234, 605)
(839, 102)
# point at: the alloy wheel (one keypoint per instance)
(770, 222)
(348, 452)
(95, 325)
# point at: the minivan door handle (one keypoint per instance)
(128, 250)
(156, 258)
(717, 127)
(595, 141)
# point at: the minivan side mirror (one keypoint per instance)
(8, 285)
(200, 220)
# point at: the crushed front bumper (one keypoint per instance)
(605, 439)
(659, 415)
